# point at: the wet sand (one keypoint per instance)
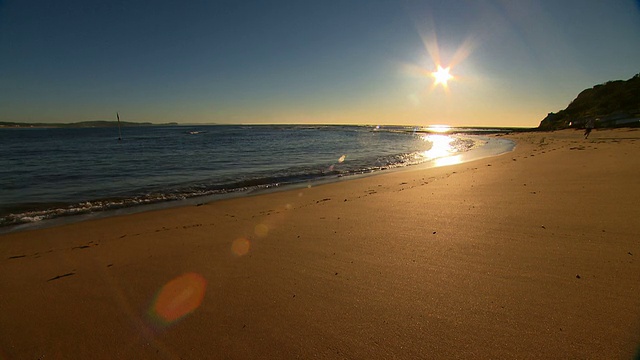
(530, 254)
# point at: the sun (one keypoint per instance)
(442, 76)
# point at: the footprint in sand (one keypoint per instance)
(61, 276)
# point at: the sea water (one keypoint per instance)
(52, 172)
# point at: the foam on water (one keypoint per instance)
(51, 173)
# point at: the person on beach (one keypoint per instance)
(588, 127)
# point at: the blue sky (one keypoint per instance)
(350, 61)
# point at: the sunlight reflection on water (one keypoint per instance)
(449, 160)
(444, 147)
(441, 146)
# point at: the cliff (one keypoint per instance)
(615, 103)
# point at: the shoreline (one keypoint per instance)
(528, 254)
(497, 147)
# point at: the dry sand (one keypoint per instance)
(531, 254)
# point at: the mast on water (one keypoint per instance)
(119, 131)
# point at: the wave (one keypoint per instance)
(441, 146)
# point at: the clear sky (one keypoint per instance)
(309, 61)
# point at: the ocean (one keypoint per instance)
(48, 173)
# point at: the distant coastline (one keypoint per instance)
(477, 130)
(81, 124)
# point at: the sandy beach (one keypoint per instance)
(530, 254)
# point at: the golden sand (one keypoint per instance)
(530, 254)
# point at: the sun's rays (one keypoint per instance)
(443, 63)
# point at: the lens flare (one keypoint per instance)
(261, 230)
(178, 298)
(240, 246)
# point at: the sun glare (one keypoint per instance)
(438, 128)
(442, 76)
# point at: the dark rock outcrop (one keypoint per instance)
(615, 103)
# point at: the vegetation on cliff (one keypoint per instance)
(615, 103)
